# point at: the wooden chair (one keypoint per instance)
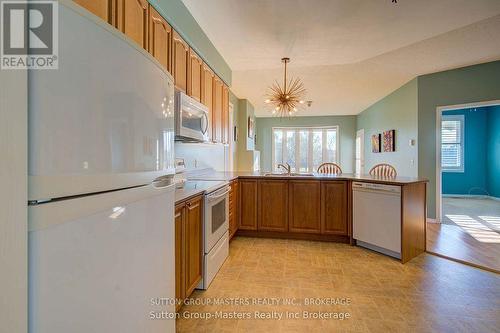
(383, 170)
(329, 168)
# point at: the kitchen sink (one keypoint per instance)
(293, 174)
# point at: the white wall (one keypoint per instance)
(13, 201)
(203, 155)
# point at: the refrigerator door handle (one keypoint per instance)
(163, 181)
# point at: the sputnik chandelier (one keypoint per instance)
(286, 100)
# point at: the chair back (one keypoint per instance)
(383, 170)
(329, 168)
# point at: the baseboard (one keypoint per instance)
(470, 196)
(463, 196)
(429, 220)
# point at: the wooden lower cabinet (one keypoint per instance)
(194, 243)
(233, 208)
(248, 204)
(273, 205)
(334, 219)
(305, 206)
(294, 208)
(188, 246)
(180, 292)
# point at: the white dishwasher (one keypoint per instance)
(377, 217)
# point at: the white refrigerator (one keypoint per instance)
(101, 203)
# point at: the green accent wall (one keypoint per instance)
(347, 131)
(179, 17)
(396, 111)
(471, 84)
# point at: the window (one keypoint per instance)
(452, 143)
(304, 148)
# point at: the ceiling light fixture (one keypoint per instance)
(286, 100)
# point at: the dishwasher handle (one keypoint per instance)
(376, 187)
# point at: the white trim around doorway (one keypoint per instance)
(439, 111)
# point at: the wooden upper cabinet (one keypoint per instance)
(160, 39)
(180, 55)
(193, 241)
(207, 89)
(102, 8)
(195, 70)
(225, 114)
(247, 204)
(334, 207)
(133, 20)
(217, 110)
(179, 253)
(305, 206)
(273, 205)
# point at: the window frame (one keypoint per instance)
(297, 146)
(461, 119)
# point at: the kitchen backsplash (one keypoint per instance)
(203, 155)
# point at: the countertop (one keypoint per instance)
(228, 176)
(193, 188)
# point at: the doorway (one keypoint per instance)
(360, 149)
(467, 185)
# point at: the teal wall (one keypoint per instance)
(473, 180)
(396, 111)
(177, 15)
(459, 86)
(493, 154)
(347, 131)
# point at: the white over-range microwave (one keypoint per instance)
(191, 119)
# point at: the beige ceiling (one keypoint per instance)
(349, 53)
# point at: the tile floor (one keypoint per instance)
(428, 294)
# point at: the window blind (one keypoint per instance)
(304, 148)
(452, 143)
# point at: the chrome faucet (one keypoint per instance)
(286, 167)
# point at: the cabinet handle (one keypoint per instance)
(190, 205)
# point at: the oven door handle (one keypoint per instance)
(215, 197)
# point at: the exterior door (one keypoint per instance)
(360, 152)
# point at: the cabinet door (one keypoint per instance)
(305, 206)
(248, 204)
(133, 20)
(334, 207)
(160, 39)
(195, 70)
(180, 54)
(101, 8)
(179, 253)
(225, 114)
(193, 240)
(217, 110)
(207, 90)
(273, 205)
(233, 208)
